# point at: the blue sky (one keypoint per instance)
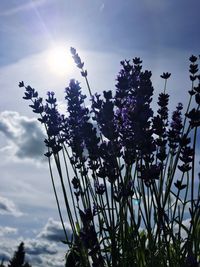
(164, 33)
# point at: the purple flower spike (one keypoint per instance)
(165, 75)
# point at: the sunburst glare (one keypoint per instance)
(59, 60)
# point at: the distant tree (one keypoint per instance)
(19, 257)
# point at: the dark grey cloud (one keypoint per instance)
(46, 249)
(53, 231)
(7, 207)
(23, 134)
(43, 253)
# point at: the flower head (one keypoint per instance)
(76, 58)
(165, 75)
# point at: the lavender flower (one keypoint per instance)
(149, 174)
(133, 98)
(193, 70)
(120, 152)
(174, 133)
(194, 116)
(99, 188)
(49, 116)
(78, 116)
(186, 157)
(165, 75)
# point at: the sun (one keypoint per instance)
(59, 60)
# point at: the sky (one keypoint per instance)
(164, 33)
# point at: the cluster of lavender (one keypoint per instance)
(119, 150)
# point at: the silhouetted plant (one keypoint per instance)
(127, 175)
(1, 264)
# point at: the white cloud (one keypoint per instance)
(38, 247)
(7, 230)
(39, 250)
(7, 207)
(41, 253)
(185, 223)
(38, 253)
(53, 231)
(5, 256)
(24, 135)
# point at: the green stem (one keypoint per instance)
(57, 161)
(57, 201)
(193, 170)
(70, 188)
